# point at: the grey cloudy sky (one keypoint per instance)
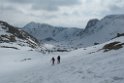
(70, 13)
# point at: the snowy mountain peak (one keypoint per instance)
(90, 27)
(92, 23)
(37, 25)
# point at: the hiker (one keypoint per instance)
(58, 59)
(53, 60)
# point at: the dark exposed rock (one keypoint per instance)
(113, 46)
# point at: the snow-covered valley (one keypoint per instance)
(87, 65)
(92, 55)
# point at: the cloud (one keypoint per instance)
(50, 5)
(72, 13)
(116, 10)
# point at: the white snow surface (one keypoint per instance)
(85, 65)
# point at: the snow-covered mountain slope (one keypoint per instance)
(49, 32)
(85, 65)
(109, 26)
(13, 37)
(104, 30)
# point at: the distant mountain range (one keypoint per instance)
(36, 35)
(96, 31)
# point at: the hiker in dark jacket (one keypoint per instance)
(58, 59)
(53, 60)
